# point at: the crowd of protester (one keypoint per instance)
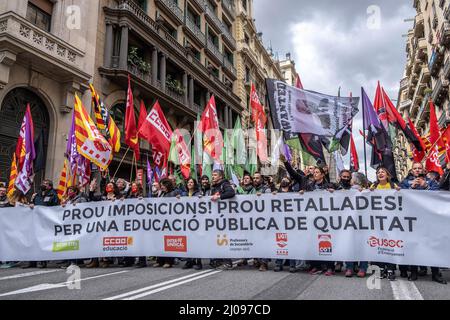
(296, 181)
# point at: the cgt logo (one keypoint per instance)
(222, 240)
(376, 242)
(117, 243)
(282, 239)
(175, 243)
(325, 245)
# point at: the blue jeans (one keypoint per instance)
(363, 265)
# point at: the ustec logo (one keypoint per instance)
(175, 243)
(375, 242)
(117, 243)
(325, 245)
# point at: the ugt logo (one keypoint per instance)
(282, 239)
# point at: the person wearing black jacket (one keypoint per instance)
(318, 183)
(221, 189)
(167, 191)
(205, 186)
(345, 180)
(445, 181)
(193, 191)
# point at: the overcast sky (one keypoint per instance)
(340, 43)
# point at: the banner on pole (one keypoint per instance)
(381, 226)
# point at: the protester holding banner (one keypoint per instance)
(124, 188)
(384, 182)
(193, 191)
(285, 187)
(167, 191)
(345, 180)
(156, 190)
(259, 186)
(445, 181)
(418, 181)
(136, 192)
(74, 196)
(221, 190)
(247, 185)
(205, 187)
(47, 196)
(111, 193)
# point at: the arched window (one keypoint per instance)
(12, 112)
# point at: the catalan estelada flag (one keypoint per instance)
(12, 176)
(105, 121)
(90, 143)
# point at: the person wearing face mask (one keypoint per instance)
(74, 197)
(111, 193)
(345, 179)
(156, 190)
(4, 201)
(47, 197)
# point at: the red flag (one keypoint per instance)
(260, 120)
(433, 162)
(142, 117)
(156, 130)
(184, 155)
(354, 160)
(418, 155)
(380, 107)
(131, 136)
(298, 82)
(446, 140)
(212, 136)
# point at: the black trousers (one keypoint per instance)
(165, 260)
(434, 270)
(320, 264)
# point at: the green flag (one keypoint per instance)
(238, 146)
(207, 165)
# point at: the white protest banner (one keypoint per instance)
(401, 227)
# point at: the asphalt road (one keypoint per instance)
(243, 283)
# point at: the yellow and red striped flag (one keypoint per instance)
(64, 181)
(90, 143)
(12, 176)
(105, 121)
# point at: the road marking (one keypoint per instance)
(405, 290)
(49, 286)
(120, 296)
(28, 274)
(171, 286)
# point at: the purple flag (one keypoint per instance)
(79, 165)
(25, 177)
(287, 153)
(149, 174)
(371, 120)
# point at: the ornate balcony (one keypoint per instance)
(213, 19)
(195, 31)
(436, 61)
(228, 37)
(445, 34)
(229, 67)
(214, 51)
(405, 105)
(200, 4)
(22, 41)
(229, 8)
(404, 83)
(171, 8)
(440, 90)
(423, 111)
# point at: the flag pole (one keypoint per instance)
(364, 138)
(120, 164)
(132, 167)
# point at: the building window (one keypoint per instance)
(142, 4)
(39, 13)
(244, 4)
